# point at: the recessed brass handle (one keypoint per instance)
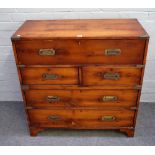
(112, 52)
(108, 118)
(54, 118)
(47, 76)
(111, 76)
(46, 52)
(53, 99)
(109, 98)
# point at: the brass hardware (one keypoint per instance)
(140, 66)
(24, 87)
(47, 76)
(143, 36)
(108, 118)
(54, 118)
(112, 52)
(17, 37)
(47, 52)
(138, 87)
(111, 76)
(109, 98)
(53, 98)
(21, 66)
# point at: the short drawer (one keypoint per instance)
(81, 118)
(81, 98)
(49, 75)
(45, 52)
(105, 75)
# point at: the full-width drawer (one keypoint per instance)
(47, 75)
(106, 75)
(80, 51)
(81, 118)
(81, 98)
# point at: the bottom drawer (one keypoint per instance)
(89, 118)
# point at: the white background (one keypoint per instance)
(11, 19)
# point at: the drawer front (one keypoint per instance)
(101, 75)
(80, 52)
(81, 118)
(81, 98)
(45, 75)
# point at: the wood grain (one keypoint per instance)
(80, 52)
(80, 118)
(35, 76)
(81, 98)
(95, 75)
(91, 28)
(77, 87)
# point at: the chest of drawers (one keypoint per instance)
(81, 74)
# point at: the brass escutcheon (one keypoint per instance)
(47, 76)
(54, 118)
(53, 98)
(108, 118)
(109, 98)
(112, 52)
(111, 76)
(47, 52)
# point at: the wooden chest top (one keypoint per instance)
(90, 28)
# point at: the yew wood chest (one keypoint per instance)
(81, 74)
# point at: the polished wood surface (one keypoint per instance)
(91, 75)
(95, 75)
(81, 28)
(80, 52)
(81, 87)
(81, 74)
(32, 75)
(80, 118)
(81, 98)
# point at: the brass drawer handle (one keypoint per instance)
(46, 52)
(109, 98)
(54, 118)
(111, 76)
(53, 99)
(112, 52)
(47, 76)
(108, 118)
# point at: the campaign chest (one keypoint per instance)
(81, 74)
